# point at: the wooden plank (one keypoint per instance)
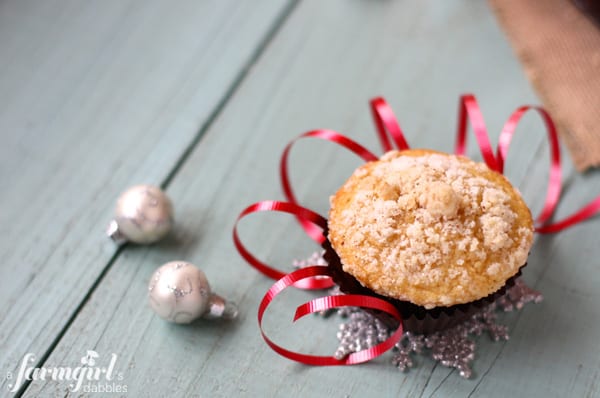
(320, 69)
(96, 96)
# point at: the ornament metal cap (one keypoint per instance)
(114, 233)
(220, 308)
(179, 292)
(143, 214)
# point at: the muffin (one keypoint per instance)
(429, 231)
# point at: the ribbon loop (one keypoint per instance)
(583, 214)
(324, 303)
(284, 207)
(328, 135)
(469, 111)
(386, 122)
(555, 176)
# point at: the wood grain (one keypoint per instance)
(96, 96)
(319, 70)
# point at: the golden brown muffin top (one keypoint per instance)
(430, 228)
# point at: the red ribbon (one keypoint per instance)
(301, 213)
(386, 123)
(469, 110)
(313, 224)
(555, 176)
(322, 304)
(328, 135)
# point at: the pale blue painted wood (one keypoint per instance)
(96, 96)
(319, 71)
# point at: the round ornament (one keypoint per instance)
(179, 292)
(144, 214)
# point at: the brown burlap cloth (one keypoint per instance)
(559, 47)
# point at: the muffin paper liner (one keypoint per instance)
(415, 318)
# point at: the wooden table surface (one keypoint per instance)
(201, 97)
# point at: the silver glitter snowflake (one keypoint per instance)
(315, 259)
(454, 347)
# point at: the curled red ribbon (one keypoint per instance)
(317, 277)
(386, 122)
(555, 176)
(328, 135)
(303, 214)
(469, 111)
(322, 304)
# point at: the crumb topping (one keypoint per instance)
(430, 228)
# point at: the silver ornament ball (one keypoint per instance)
(179, 292)
(144, 214)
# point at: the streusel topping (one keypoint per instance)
(430, 228)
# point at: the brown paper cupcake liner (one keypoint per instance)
(415, 318)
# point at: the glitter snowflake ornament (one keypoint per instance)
(362, 331)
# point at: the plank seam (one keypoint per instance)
(435, 365)
(217, 111)
(233, 88)
(442, 382)
(71, 319)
